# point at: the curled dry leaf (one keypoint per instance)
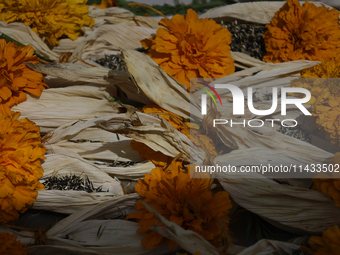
(24, 34)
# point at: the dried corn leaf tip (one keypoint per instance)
(187, 202)
(50, 19)
(329, 186)
(10, 246)
(328, 244)
(16, 79)
(302, 32)
(20, 166)
(189, 47)
(186, 128)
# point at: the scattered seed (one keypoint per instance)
(247, 38)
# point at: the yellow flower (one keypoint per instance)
(328, 244)
(16, 79)
(186, 201)
(20, 167)
(10, 246)
(50, 19)
(302, 32)
(189, 47)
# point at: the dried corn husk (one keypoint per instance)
(267, 247)
(23, 34)
(159, 135)
(88, 229)
(60, 106)
(97, 75)
(298, 210)
(116, 15)
(158, 86)
(109, 39)
(68, 163)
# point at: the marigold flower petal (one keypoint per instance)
(20, 167)
(302, 32)
(10, 246)
(16, 79)
(187, 202)
(51, 19)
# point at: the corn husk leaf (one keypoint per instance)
(158, 86)
(60, 106)
(109, 39)
(23, 34)
(88, 229)
(267, 247)
(97, 75)
(297, 210)
(159, 135)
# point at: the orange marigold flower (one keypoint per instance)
(302, 32)
(325, 97)
(186, 201)
(20, 167)
(10, 246)
(50, 19)
(16, 79)
(106, 4)
(328, 185)
(189, 47)
(328, 244)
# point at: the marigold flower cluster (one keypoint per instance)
(16, 79)
(186, 201)
(20, 168)
(302, 32)
(10, 246)
(50, 19)
(191, 130)
(328, 244)
(189, 47)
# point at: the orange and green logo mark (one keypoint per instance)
(209, 93)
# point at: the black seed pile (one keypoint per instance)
(114, 62)
(116, 163)
(71, 182)
(296, 132)
(247, 38)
